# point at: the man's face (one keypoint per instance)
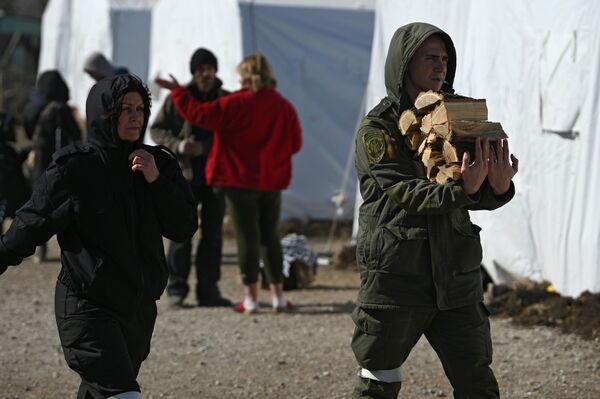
(205, 76)
(428, 66)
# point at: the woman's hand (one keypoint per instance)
(143, 161)
(473, 174)
(500, 169)
(167, 84)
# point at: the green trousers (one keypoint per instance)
(255, 217)
(461, 338)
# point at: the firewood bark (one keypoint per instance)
(472, 129)
(472, 110)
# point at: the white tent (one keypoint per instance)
(74, 29)
(538, 65)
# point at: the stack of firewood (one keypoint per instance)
(442, 126)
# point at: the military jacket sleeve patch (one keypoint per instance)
(375, 146)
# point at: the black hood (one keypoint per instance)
(103, 109)
(52, 87)
(404, 44)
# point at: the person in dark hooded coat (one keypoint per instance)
(418, 253)
(110, 202)
(50, 125)
(49, 121)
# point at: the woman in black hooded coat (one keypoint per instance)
(110, 202)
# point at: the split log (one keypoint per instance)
(427, 100)
(432, 154)
(450, 153)
(422, 146)
(442, 131)
(416, 139)
(432, 138)
(426, 124)
(409, 121)
(434, 162)
(448, 172)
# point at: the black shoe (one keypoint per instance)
(218, 301)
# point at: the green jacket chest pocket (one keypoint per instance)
(402, 250)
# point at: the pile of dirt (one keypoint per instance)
(529, 303)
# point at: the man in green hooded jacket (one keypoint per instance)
(419, 255)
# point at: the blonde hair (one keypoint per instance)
(256, 68)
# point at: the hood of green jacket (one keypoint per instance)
(405, 42)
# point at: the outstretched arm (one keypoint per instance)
(47, 212)
(209, 115)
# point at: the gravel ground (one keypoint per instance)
(216, 353)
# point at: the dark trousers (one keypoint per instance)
(208, 252)
(255, 218)
(461, 338)
(105, 350)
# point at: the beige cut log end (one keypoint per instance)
(428, 99)
(426, 155)
(409, 120)
(442, 131)
(448, 172)
(439, 115)
(450, 152)
(426, 124)
(433, 164)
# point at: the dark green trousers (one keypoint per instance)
(461, 338)
(255, 217)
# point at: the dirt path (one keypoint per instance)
(215, 353)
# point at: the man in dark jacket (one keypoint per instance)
(419, 254)
(50, 125)
(110, 202)
(192, 145)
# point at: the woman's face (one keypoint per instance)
(131, 119)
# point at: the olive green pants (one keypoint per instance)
(255, 218)
(461, 338)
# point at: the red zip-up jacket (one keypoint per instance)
(255, 136)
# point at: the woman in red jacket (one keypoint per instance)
(256, 132)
